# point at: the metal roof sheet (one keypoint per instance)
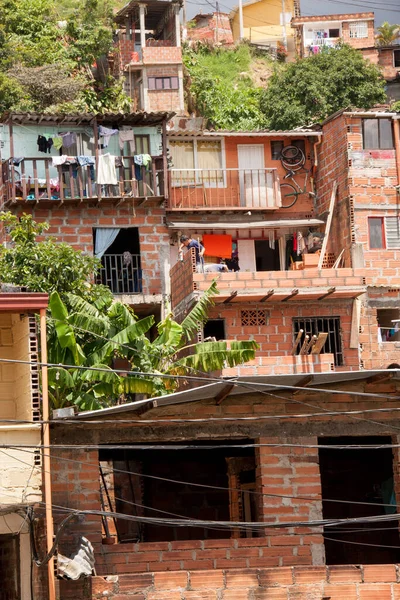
(137, 118)
(233, 133)
(259, 383)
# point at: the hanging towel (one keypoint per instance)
(271, 238)
(68, 139)
(218, 245)
(106, 173)
(57, 142)
(143, 160)
(59, 160)
(127, 135)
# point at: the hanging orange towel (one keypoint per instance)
(218, 245)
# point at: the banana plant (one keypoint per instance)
(88, 337)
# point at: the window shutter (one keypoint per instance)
(392, 232)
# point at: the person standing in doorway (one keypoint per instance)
(188, 242)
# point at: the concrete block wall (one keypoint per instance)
(163, 100)
(74, 225)
(283, 365)
(15, 379)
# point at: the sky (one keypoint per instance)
(385, 10)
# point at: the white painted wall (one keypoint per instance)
(20, 478)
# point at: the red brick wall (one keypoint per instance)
(74, 225)
(158, 54)
(359, 42)
(367, 582)
(386, 60)
(163, 100)
(182, 285)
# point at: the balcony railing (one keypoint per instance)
(233, 189)
(36, 179)
(121, 276)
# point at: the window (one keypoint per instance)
(388, 324)
(134, 480)
(377, 134)
(358, 29)
(299, 144)
(276, 149)
(334, 33)
(376, 233)
(357, 477)
(196, 162)
(163, 83)
(396, 58)
(315, 325)
(214, 328)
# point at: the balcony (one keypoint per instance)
(35, 179)
(224, 189)
(118, 275)
(265, 287)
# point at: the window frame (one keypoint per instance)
(383, 231)
(310, 324)
(162, 79)
(357, 25)
(272, 151)
(378, 120)
(396, 53)
(197, 179)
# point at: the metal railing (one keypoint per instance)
(37, 179)
(234, 189)
(121, 276)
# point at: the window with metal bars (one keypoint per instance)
(315, 325)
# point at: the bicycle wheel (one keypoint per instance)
(288, 195)
(292, 158)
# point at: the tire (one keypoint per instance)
(289, 195)
(292, 158)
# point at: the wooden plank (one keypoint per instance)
(328, 225)
(304, 345)
(355, 323)
(47, 171)
(302, 383)
(35, 179)
(378, 377)
(297, 342)
(231, 297)
(338, 260)
(320, 343)
(311, 344)
(293, 293)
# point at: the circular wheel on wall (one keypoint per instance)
(292, 158)
(288, 195)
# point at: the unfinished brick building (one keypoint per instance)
(149, 54)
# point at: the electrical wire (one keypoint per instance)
(223, 488)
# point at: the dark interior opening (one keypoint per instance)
(137, 483)
(10, 567)
(121, 268)
(358, 476)
(126, 240)
(214, 328)
(267, 259)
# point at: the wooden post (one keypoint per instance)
(46, 455)
(165, 162)
(328, 225)
(96, 150)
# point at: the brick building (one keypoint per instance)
(104, 219)
(313, 33)
(149, 55)
(214, 28)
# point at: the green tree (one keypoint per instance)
(90, 336)
(46, 266)
(387, 34)
(311, 89)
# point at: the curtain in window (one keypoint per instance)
(209, 159)
(182, 154)
(105, 236)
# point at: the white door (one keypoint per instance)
(256, 186)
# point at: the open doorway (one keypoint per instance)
(267, 258)
(364, 479)
(214, 328)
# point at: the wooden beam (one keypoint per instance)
(291, 295)
(328, 225)
(320, 343)
(231, 297)
(328, 293)
(297, 341)
(305, 344)
(268, 295)
(311, 343)
(379, 377)
(302, 383)
(220, 397)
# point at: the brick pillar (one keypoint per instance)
(287, 474)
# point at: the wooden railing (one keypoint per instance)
(120, 276)
(37, 179)
(234, 189)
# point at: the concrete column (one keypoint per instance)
(181, 94)
(145, 90)
(142, 9)
(177, 26)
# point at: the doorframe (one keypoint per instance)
(241, 184)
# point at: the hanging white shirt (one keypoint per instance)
(106, 172)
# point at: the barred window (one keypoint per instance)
(254, 318)
(315, 325)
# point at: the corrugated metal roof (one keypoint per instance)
(233, 133)
(206, 392)
(138, 118)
